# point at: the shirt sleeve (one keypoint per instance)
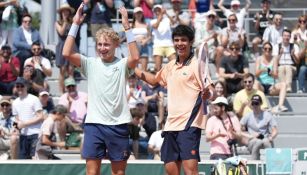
(161, 76)
(37, 105)
(84, 65)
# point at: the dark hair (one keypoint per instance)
(223, 85)
(36, 43)
(136, 113)
(26, 15)
(249, 75)
(265, 43)
(286, 30)
(6, 47)
(183, 30)
(235, 44)
(59, 109)
(133, 20)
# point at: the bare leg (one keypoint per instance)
(93, 167)
(173, 168)
(14, 146)
(190, 167)
(158, 62)
(281, 89)
(218, 57)
(118, 167)
(144, 63)
(256, 41)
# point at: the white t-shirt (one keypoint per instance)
(240, 16)
(107, 96)
(28, 36)
(26, 109)
(285, 58)
(162, 37)
(273, 35)
(155, 139)
(44, 61)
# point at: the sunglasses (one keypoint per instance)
(26, 21)
(36, 49)
(70, 86)
(232, 20)
(302, 21)
(20, 86)
(255, 103)
(267, 48)
(5, 104)
(245, 82)
(234, 49)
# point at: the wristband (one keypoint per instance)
(129, 36)
(73, 30)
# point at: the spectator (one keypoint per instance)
(133, 91)
(182, 130)
(154, 98)
(47, 138)
(260, 127)
(134, 131)
(262, 20)
(178, 16)
(62, 27)
(233, 68)
(9, 21)
(242, 99)
(303, 70)
(222, 130)
(209, 33)
(34, 85)
(198, 10)
(29, 115)
(273, 33)
(9, 70)
(108, 108)
(146, 6)
(162, 37)
(101, 15)
(155, 142)
(76, 103)
(221, 91)
(235, 9)
(142, 35)
(23, 38)
(267, 73)
(46, 101)
(9, 134)
(288, 58)
(42, 65)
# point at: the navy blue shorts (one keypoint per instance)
(181, 145)
(106, 141)
(27, 146)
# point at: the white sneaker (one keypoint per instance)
(4, 156)
(300, 92)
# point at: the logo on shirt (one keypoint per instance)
(115, 69)
(184, 73)
(193, 152)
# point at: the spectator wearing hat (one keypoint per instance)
(8, 21)
(242, 99)
(9, 134)
(23, 38)
(177, 15)
(62, 27)
(260, 128)
(146, 6)
(262, 20)
(9, 70)
(46, 101)
(47, 139)
(235, 9)
(29, 116)
(162, 37)
(209, 33)
(142, 34)
(222, 130)
(76, 103)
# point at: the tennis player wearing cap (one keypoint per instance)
(185, 119)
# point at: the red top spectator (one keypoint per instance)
(9, 65)
(146, 5)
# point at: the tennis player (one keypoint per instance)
(105, 129)
(185, 118)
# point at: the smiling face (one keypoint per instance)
(26, 22)
(106, 42)
(183, 46)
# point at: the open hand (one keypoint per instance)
(125, 22)
(79, 16)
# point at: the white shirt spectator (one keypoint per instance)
(285, 58)
(28, 36)
(240, 16)
(44, 61)
(163, 35)
(156, 139)
(273, 35)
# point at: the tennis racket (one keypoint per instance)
(203, 63)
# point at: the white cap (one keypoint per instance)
(43, 93)
(235, 2)
(211, 12)
(220, 100)
(137, 9)
(157, 6)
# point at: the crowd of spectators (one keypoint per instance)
(29, 117)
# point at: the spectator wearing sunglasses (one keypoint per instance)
(259, 127)
(233, 68)
(9, 70)
(242, 99)
(267, 73)
(235, 9)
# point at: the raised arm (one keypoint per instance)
(134, 54)
(247, 5)
(68, 51)
(221, 6)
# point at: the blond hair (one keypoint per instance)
(107, 32)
